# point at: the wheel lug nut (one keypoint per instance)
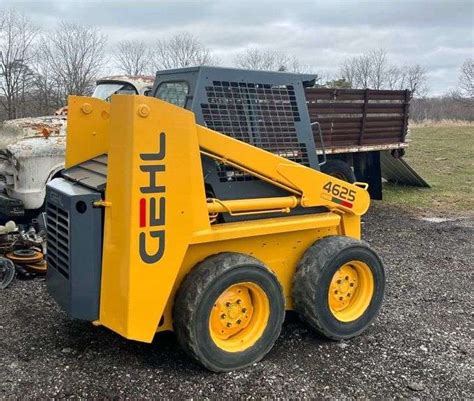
(227, 304)
(352, 284)
(223, 316)
(244, 310)
(338, 281)
(340, 298)
(335, 292)
(239, 301)
(239, 321)
(229, 324)
(347, 277)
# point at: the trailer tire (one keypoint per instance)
(338, 287)
(228, 311)
(339, 169)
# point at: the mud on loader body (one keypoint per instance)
(137, 241)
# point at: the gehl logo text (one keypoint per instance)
(153, 204)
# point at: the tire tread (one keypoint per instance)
(308, 274)
(191, 291)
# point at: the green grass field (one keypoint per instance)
(443, 156)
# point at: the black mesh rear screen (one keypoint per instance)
(263, 115)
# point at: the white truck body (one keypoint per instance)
(32, 150)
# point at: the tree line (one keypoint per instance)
(39, 69)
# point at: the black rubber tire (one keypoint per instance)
(313, 277)
(195, 299)
(339, 169)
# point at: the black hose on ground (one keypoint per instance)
(7, 272)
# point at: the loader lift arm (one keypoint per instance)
(310, 187)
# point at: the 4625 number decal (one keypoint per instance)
(340, 191)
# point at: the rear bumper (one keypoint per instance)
(11, 207)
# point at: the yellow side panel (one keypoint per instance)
(87, 129)
(350, 226)
(275, 225)
(278, 242)
(156, 190)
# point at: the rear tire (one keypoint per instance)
(339, 169)
(228, 312)
(338, 287)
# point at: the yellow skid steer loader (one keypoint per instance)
(140, 240)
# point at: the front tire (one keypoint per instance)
(338, 287)
(228, 312)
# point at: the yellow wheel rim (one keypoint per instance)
(239, 317)
(351, 291)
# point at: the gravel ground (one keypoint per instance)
(420, 346)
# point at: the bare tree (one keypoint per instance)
(75, 57)
(180, 50)
(132, 57)
(364, 71)
(367, 70)
(378, 68)
(17, 36)
(357, 71)
(269, 60)
(373, 70)
(292, 64)
(466, 79)
(47, 94)
(416, 80)
(348, 72)
(260, 59)
(395, 78)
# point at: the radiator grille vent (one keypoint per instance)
(263, 115)
(58, 238)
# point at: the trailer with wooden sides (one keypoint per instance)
(362, 134)
(359, 135)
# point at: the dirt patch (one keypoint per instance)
(420, 345)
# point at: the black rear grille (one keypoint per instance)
(74, 247)
(58, 238)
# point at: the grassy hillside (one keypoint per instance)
(444, 156)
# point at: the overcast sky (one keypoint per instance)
(435, 34)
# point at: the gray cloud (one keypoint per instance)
(436, 34)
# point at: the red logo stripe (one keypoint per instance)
(142, 212)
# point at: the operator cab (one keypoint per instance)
(263, 108)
